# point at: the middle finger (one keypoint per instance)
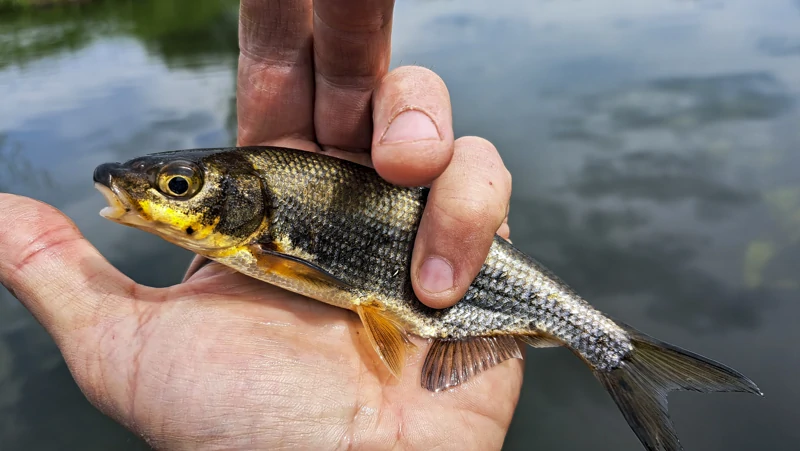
(352, 49)
(275, 88)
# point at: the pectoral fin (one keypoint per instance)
(453, 362)
(295, 268)
(388, 338)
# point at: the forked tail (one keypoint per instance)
(640, 385)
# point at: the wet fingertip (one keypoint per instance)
(439, 304)
(504, 231)
(438, 301)
(435, 283)
(410, 125)
(436, 275)
(412, 164)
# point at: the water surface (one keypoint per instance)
(655, 149)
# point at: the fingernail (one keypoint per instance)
(436, 275)
(410, 125)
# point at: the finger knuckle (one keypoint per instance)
(478, 153)
(469, 215)
(508, 180)
(415, 80)
(41, 239)
(477, 145)
(416, 72)
(483, 161)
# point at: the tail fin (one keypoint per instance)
(640, 385)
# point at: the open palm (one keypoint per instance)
(226, 361)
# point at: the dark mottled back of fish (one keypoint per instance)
(350, 221)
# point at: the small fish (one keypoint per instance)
(336, 232)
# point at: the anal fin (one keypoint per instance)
(540, 341)
(388, 338)
(453, 362)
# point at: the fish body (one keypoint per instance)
(336, 232)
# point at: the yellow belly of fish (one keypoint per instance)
(279, 274)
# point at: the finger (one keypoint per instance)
(466, 205)
(352, 48)
(275, 86)
(504, 231)
(48, 265)
(412, 143)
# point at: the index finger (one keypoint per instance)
(352, 49)
(275, 85)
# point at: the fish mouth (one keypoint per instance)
(118, 203)
(120, 209)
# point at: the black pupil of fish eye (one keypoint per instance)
(178, 185)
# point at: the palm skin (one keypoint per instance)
(288, 371)
(223, 361)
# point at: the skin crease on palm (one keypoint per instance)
(222, 361)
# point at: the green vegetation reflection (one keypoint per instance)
(184, 33)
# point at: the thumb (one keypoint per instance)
(49, 266)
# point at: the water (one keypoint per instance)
(655, 148)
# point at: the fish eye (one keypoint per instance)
(179, 179)
(178, 185)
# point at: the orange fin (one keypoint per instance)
(295, 267)
(453, 362)
(539, 341)
(387, 337)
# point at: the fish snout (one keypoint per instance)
(104, 173)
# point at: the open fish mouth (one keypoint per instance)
(118, 203)
(120, 210)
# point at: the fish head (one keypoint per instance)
(202, 200)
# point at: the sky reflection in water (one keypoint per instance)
(654, 148)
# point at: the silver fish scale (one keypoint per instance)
(362, 230)
(514, 293)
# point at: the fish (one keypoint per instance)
(336, 232)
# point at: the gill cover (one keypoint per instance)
(242, 201)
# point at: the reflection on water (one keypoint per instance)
(183, 33)
(606, 251)
(678, 177)
(16, 169)
(654, 148)
(780, 45)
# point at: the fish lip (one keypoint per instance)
(120, 209)
(119, 204)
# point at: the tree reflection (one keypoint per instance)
(184, 33)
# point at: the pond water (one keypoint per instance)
(655, 149)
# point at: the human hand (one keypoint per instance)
(225, 361)
(319, 80)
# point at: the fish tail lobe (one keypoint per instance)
(653, 368)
